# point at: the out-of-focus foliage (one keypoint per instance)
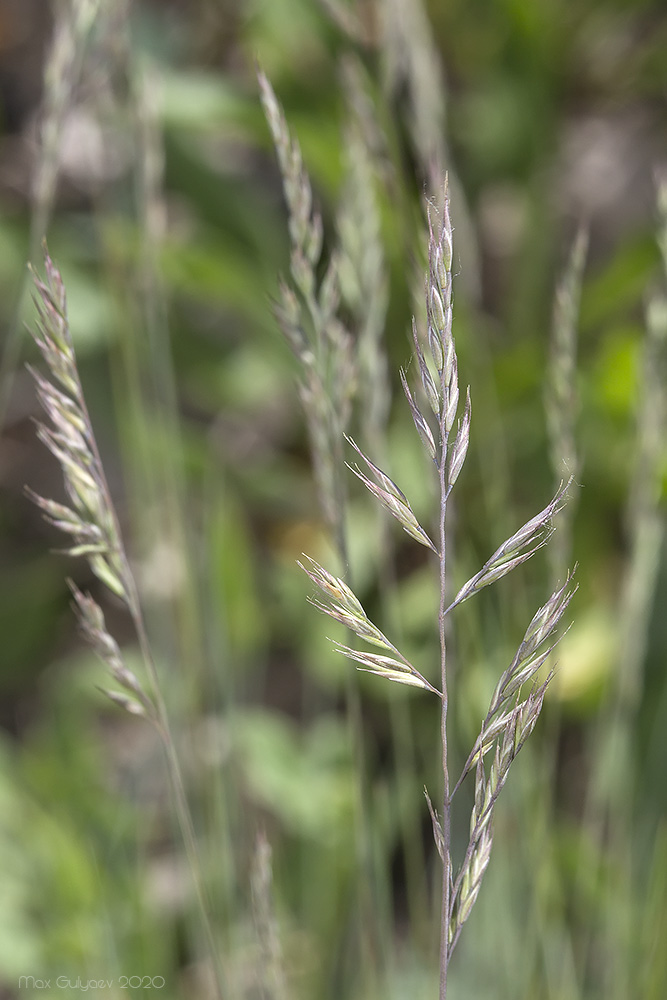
(169, 226)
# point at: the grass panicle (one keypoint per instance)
(90, 520)
(74, 21)
(512, 714)
(561, 398)
(561, 402)
(362, 268)
(307, 313)
(92, 524)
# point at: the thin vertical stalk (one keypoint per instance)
(175, 773)
(446, 801)
(439, 310)
(162, 722)
(308, 315)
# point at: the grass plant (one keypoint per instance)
(307, 312)
(512, 713)
(90, 520)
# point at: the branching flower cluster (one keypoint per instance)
(512, 715)
(307, 313)
(90, 520)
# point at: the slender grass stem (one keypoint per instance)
(163, 727)
(445, 915)
(183, 812)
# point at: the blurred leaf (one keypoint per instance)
(20, 934)
(195, 99)
(621, 284)
(31, 602)
(585, 660)
(306, 780)
(233, 572)
(615, 380)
